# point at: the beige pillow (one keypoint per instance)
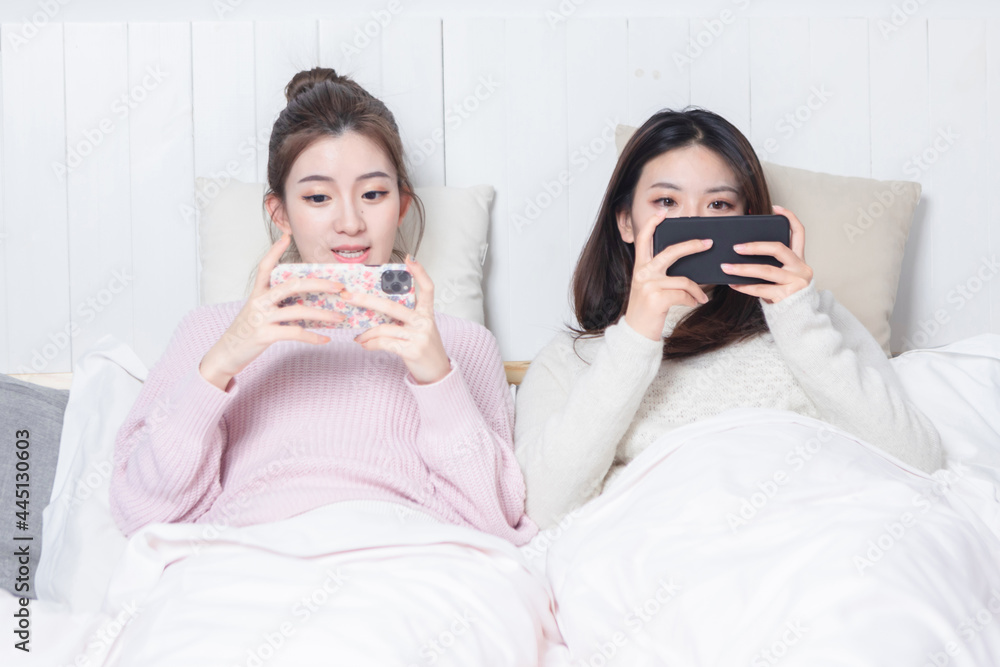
(233, 239)
(856, 231)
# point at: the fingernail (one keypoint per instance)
(726, 267)
(738, 247)
(707, 243)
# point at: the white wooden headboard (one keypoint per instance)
(106, 125)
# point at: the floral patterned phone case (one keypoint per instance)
(392, 281)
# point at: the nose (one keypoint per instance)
(350, 220)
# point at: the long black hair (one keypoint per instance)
(603, 276)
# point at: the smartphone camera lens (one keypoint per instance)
(396, 282)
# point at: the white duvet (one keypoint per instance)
(755, 538)
(346, 584)
(763, 537)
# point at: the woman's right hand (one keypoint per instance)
(653, 292)
(258, 324)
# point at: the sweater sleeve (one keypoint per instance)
(168, 452)
(466, 437)
(569, 421)
(847, 375)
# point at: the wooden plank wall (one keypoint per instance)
(104, 126)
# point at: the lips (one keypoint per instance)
(351, 254)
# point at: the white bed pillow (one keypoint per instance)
(80, 541)
(856, 230)
(233, 238)
(958, 387)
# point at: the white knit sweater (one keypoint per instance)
(579, 421)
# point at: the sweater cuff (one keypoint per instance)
(445, 406)
(200, 401)
(630, 348)
(799, 306)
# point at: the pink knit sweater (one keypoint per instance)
(305, 425)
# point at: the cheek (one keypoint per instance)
(303, 218)
(383, 222)
(386, 218)
(646, 213)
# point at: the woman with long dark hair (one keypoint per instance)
(653, 352)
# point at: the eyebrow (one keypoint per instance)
(362, 177)
(719, 188)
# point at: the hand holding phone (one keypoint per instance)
(790, 276)
(651, 292)
(389, 281)
(382, 300)
(258, 324)
(416, 339)
(705, 268)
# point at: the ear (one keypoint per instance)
(276, 210)
(625, 226)
(404, 206)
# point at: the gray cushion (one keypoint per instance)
(39, 411)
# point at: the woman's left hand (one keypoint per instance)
(793, 275)
(416, 340)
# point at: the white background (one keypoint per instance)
(899, 73)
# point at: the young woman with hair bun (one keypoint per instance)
(349, 499)
(416, 414)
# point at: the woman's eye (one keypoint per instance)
(665, 201)
(374, 194)
(720, 205)
(316, 199)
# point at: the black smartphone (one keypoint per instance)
(725, 231)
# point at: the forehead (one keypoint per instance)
(347, 154)
(692, 165)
